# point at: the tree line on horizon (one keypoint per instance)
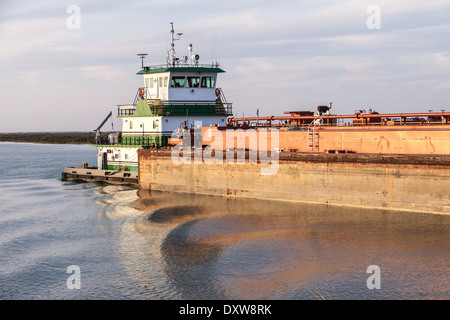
(49, 137)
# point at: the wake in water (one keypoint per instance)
(135, 244)
(201, 247)
(116, 200)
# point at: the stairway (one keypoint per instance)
(313, 135)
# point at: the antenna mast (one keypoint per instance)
(171, 53)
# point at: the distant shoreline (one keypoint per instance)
(49, 137)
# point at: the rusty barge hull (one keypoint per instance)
(387, 182)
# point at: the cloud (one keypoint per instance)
(278, 54)
(24, 37)
(104, 73)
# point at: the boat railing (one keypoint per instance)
(179, 64)
(181, 108)
(137, 138)
(126, 110)
(357, 120)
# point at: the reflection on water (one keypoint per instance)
(186, 246)
(137, 245)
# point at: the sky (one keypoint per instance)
(65, 69)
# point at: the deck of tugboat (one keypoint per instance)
(92, 174)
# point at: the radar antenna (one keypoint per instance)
(142, 56)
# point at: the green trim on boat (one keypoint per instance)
(188, 69)
(114, 167)
(142, 109)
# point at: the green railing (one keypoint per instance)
(174, 109)
(138, 140)
(145, 141)
(191, 109)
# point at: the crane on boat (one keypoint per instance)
(97, 131)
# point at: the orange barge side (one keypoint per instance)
(413, 133)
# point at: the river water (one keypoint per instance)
(130, 244)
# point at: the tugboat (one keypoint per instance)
(176, 96)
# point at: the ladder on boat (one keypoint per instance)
(313, 136)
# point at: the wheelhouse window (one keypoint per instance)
(150, 82)
(193, 82)
(177, 82)
(207, 82)
(163, 82)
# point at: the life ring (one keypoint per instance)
(217, 92)
(141, 92)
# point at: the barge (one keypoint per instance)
(180, 118)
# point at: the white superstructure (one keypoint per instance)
(176, 95)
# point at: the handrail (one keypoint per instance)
(133, 138)
(356, 119)
(156, 105)
(351, 116)
(180, 65)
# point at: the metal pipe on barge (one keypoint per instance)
(351, 116)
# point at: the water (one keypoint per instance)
(141, 245)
